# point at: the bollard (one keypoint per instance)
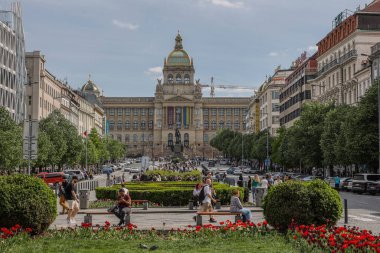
(191, 205)
(218, 205)
(345, 212)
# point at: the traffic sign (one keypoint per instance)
(267, 162)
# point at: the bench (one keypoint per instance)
(88, 216)
(199, 216)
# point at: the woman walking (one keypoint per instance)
(255, 184)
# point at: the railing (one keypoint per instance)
(336, 62)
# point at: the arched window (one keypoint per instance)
(221, 124)
(143, 124)
(205, 124)
(186, 140)
(127, 138)
(135, 125)
(142, 137)
(178, 78)
(213, 125)
(150, 124)
(170, 139)
(170, 78)
(187, 78)
(205, 138)
(135, 138)
(237, 125)
(119, 137)
(111, 124)
(127, 125)
(229, 124)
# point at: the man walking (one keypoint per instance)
(206, 202)
(72, 200)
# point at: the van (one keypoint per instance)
(77, 173)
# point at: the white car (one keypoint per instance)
(238, 171)
(135, 170)
(127, 169)
(77, 173)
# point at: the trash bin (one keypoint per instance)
(84, 198)
(259, 196)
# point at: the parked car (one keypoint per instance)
(360, 182)
(246, 170)
(223, 162)
(231, 170)
(211, 164)
(77, 173)
(107, 170)
(308, 178)
(135, 170)
(347, 184)
(238, 171)
(373, 187)
(127, 169)
(52, 178)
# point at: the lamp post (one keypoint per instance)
(267, 157)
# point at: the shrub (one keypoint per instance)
(301, 202)
(167, 175)
(26, 201)
(165, 193)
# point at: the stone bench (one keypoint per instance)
(200, 214)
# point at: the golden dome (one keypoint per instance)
(178, 56)
(90, 87)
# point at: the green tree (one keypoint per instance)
(10, 141)
(116, 149)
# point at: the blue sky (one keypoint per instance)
(122, 43)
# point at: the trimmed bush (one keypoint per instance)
(302, 202)
(165, 193)
(167, 175)
(26, 201)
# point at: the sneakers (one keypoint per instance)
(73, 221)
(212, 220)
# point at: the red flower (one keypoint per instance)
(107, 223)
(265, 223)
(221, 223)
(29, 230)
(295, 237)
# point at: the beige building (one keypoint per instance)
(297, 90)
(45, 93)
(147, 124)
(268, 97)
(342, 56)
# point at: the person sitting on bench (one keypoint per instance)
(236, 206)
(124, 205)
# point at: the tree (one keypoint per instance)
(116, 149)
(10, 141)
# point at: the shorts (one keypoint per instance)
(72, 204)
(205, 207)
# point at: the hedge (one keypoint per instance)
(167, 175)
(302, 202)
(26, 201)
(166, 193)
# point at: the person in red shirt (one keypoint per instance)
(124, 205)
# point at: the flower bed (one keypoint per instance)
(168, 175)
(335, 239)
(166, 193)
(106, 203)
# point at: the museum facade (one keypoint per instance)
(147, 125)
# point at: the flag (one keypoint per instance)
(85, 133)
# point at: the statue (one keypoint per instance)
(159, 81)
(177, 136)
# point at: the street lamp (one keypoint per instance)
(267, 159)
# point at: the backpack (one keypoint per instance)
(202, 195)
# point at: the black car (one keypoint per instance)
(360, 182)
(373, 187)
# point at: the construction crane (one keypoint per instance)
(212, 87)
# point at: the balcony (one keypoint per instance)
(343, 59)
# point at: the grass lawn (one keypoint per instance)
(267, 244)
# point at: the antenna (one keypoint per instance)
(212, 91)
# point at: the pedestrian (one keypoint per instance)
(123, 178)
(240, 181)
(72, 200)
(264, 184)
(196, 191)
(124, 188)
(124, 206)
(237, 207)
(206, 202)
(277, 181)
(249, 183)
(61, 195)
(337, 182)
(255, 184)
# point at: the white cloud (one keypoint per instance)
(123, 25)
(273, 54)
(154, 72)
(227, 3)
(312, 49)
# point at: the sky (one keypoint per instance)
(123, 43)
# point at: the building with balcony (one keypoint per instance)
(297, 90)
(343, 75)
(12, 62)
(147, 125)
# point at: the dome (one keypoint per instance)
(90, 87)
(178, 56)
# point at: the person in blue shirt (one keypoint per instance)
(337, 182)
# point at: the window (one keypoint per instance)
(142, 137)
(205, 124)
(275, 120)
(275, 95)
(150, 124)
(127, 111)
(151, 111)
(275, 107)
(143, 125)
(135, 138)
(213, 125)
(119, 137)
(205, 138)
(119, 125)
(143, 111)
(170, 139)
(245, 111)
(135, 125)
(187, 78)
(112, 124)
(178, 78)
(127, 138)
(159, 123)
(127, 125)
(213, 112)
(112, 112)
(244, 125)
(228, 112)
(237, 125)
(228, 125)
(186, 140)
(205, 112)
(237, 111)
(119, 112)
(221, 124)
(135, 111)
(221, 111)
(170, 78)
